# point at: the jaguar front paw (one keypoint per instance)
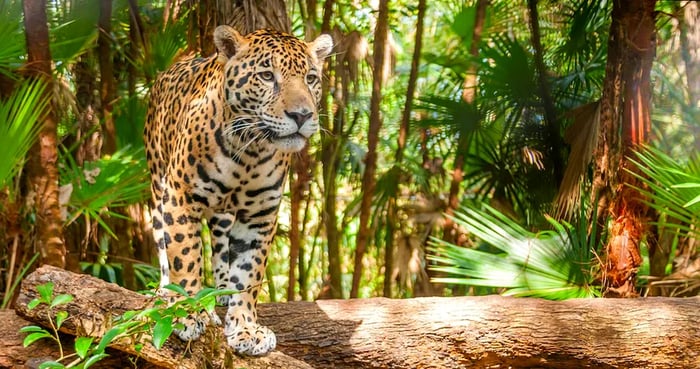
(252, 340)
(195, 325)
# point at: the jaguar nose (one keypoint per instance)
(300, 117)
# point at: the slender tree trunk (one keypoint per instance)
(550, 112)
(42, 169)
(330, 148)
(625, 109)
(300, 178)
(690, 50)
(107, 84)
(392, 216)
(375, 124)
(135, 41)
(469, 96)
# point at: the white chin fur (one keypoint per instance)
(289, 144)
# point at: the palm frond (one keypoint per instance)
(73, 29)
(673, 188)
(582, 135)
(13, 42)
(111, 182)
(551, 264)
(19, 126)
(163, 48)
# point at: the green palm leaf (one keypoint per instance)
(673, 188)
(550, 264)
(13, 42)
(111, 182)
(19, 126)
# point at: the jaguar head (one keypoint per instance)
(272, 85)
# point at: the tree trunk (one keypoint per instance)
(245, 16)
(550, 112)
(392, 214)
(108, 89)
(42, 169)
(375, 124)
(437, 332)
(299, 182)
(625, 108)
(469, 96)
(690, 51)
(330, 150)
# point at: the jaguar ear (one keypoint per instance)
(322, 46)
(228, 41)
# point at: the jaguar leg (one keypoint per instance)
(249, 246)
(177, 234)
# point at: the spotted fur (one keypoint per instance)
(220, 132)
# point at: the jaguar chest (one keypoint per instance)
(248, 181)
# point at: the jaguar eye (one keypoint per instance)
(267, 76)
(311, 78)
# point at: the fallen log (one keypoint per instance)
(96, 303)
(454, 332)
(14, 355)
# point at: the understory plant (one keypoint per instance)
(157, 322)
(672, 187)
(553, 264)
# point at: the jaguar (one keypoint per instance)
(220, 132)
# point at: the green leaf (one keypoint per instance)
(61, 300)
(19, 127)
(82, 345)
(208, 303)
(176, 288)
(33, 304)
(51, 365)
(93, 359)
(180, 312)
(161, 331)
(45, 291)
(692, 202)
(32, 328)
(128, 315)
(108, 338)
(33, 337)
(61, 316)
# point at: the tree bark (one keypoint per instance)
(14, 355)
(108, 88)
(459, 332)
(245, 16)
(625, 124)
(42, 169)
(331, 120)
(690, 51)
(97, 302)
(375, 124)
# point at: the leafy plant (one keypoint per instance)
(111, 182)
(13, 50)
(158, 322)
(18, 126)
(673, 188)
(552, 264)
